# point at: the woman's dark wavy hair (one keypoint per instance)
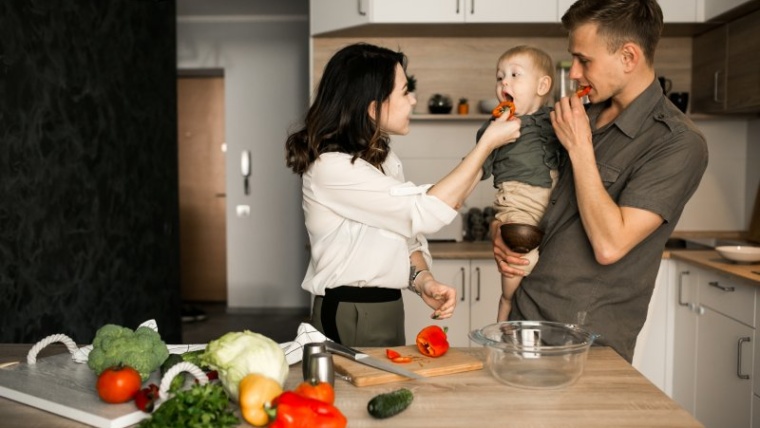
(338, 119)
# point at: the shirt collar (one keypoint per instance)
(630, 120)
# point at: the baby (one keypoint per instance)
(525, 171)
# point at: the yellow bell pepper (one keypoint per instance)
(256, 392)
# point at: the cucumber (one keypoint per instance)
(390, 404)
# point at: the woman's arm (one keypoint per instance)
(457, 185)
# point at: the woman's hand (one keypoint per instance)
(500, 132)
(505, 258)
(438, 296)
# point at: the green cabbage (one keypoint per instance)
(236, 354)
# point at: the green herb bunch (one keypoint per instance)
(201, 406)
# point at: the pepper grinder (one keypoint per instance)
(310, 349)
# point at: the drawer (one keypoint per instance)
(728, 296)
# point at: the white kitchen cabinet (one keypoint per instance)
(478, 288)
(330, 15)
(714, 8)
(650, 355)
(675, 11)
(724, 367)
(510, 11)
(684, 300)
(713, 346)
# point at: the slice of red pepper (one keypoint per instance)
(402, 360)
(502, 108)
(290, 410)
(432, 341)
(583, 91)
(391, 354)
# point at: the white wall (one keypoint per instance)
(265, 62)
(723, 201)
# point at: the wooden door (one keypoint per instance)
(203, 243)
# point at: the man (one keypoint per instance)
(635, 160)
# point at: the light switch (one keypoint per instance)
(243, 210)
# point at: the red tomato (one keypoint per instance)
(118, 384)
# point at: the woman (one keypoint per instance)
(365, 223)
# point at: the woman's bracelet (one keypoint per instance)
(412, 276)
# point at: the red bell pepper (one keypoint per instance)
(396, 357)
(290, 410)
(583, 91)
(432, 341)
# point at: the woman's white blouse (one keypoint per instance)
(364, 224)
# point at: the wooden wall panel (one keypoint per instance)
(465, 67)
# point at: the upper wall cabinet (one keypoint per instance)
(715, 8)
(725, 68)
(330, 15)
(333, 15)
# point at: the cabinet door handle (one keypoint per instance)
(462, 271)
(680, 288)
(458, 3)
(477, 270)
(715, 86)
(359, 7)
(739, 373)
(472, 7)
(717, 285)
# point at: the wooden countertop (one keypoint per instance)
(712, 260)
(610, 393)
(705, 258)
(461, 250)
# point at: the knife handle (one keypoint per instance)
(342, 350)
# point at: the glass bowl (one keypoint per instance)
(535, 354)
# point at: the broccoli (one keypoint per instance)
(114, 345)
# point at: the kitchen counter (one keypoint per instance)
(609, 393)
(712, 260)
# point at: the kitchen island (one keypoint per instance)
(610, 393)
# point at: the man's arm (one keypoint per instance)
(612, 230)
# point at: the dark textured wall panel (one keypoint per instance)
(88, 167)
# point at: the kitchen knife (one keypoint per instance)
(359, 357)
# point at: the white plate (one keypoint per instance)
(738, 253)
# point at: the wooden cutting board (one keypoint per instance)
(454, 361)
(62, 386)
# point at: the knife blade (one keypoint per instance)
(362, 358)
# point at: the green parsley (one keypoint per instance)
(201, 406)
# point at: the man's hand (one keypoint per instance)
(504, 256)
(571, 124)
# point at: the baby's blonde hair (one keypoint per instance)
(542, 61)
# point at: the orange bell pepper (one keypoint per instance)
(502, 108)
